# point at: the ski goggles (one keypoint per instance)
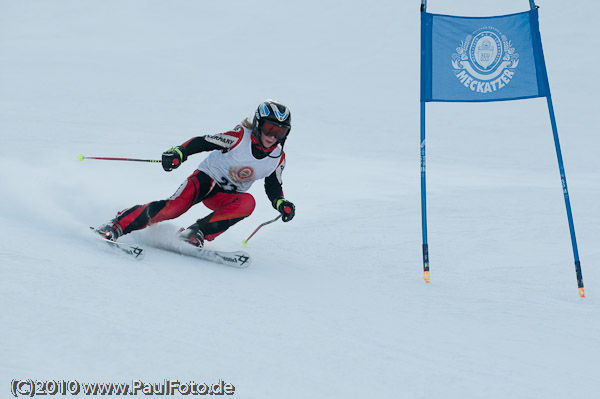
(275, 130)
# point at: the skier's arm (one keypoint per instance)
(274, 191)
(222, 141)
(273, 183)
(172, 158)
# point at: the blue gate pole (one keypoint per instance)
(563, 179)
(423, 199)
(423, 180)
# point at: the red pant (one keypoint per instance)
(229, 208)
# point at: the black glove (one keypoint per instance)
(286, 208)
(172, 158)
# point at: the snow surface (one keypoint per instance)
(334, 304)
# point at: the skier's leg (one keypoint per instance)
(193, 190)
(229, 208)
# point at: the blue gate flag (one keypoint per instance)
(482, 58)
(485, 59)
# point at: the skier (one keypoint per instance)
(249, 152)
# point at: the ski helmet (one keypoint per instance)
(272, 119)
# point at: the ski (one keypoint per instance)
(173, 243)
(132, 250)
(237, 259)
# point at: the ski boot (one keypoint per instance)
(192, 235)
(110, 231)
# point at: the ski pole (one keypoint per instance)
(81, 157)
(245, 242)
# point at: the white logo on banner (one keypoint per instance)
(485, 61)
